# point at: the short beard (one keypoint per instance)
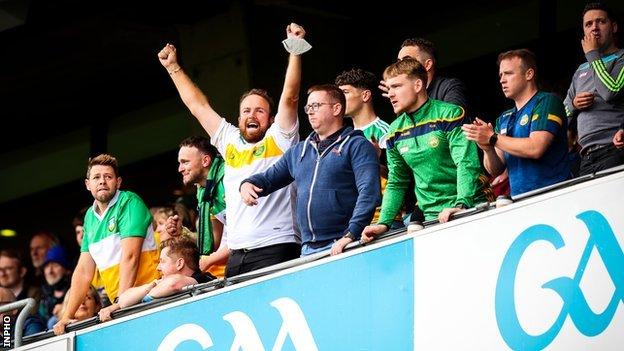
(106, 198)
(252, 138)
(192, 181)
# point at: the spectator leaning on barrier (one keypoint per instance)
(337, 174)
(595, 99)
(426, 140)
(118, 239)
(263, 235)
(178, 265)
(451, 90)
(529, 140)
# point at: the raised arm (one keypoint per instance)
(286, 115)
(191, 95)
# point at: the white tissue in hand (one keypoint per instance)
(296, 46)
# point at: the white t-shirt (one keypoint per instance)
(271, 221)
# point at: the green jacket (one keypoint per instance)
(430, 144)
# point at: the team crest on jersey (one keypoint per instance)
(230, 155)
(259, 150)
(434, 142)
(112, 224)
(524, 120)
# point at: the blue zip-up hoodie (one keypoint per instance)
(337, 191)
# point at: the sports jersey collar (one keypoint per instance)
(529, 104)
(110, 204)
(411, 115)
(508, 125)
(370, 124)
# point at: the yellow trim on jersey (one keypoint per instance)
(267, 148)
(555, 119)
(433, 121)
(534, 117)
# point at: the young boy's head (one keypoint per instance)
(176, 254)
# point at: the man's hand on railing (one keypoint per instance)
(370, 232)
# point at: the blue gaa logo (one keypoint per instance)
(575, 305)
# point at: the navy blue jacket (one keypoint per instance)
(337, 191)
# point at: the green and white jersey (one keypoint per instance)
(376, 132)
(126, 216)
(375, 129)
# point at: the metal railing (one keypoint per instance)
(197, 289)
(27, 305)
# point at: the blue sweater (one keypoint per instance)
(337, 191)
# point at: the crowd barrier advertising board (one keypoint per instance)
(361, 302)
(544, 273)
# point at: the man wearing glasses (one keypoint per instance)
(337, 174)
(12, 276)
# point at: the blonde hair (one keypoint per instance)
(409, 66)
(94, 295)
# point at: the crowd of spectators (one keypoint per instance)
(264, 196)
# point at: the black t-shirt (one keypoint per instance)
(203, 277)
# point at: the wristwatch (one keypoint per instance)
(350, 236)
(493, 139)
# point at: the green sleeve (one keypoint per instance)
(466, 159)
(398, 184)
(609, 81)
(135, 218)
(84, 247)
